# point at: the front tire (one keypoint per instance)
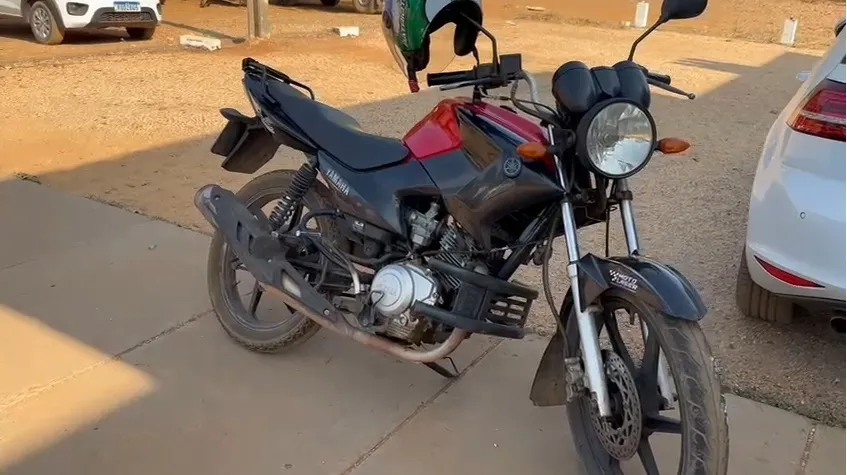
(140, 33)
(702, 423)
(240, 323)
(45, 28)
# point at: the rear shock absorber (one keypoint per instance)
(285, 207)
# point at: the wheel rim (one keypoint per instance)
(246, 315)
(653, 421)
(41, 23)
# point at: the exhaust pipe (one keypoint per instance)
(837, 324)
(386, 346)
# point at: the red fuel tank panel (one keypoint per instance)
(438, 132)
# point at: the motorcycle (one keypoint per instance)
(409, 246)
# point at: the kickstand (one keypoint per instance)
(442, 370)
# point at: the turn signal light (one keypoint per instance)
(671, 145)
(532, 151)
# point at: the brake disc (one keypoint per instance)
(619, 434)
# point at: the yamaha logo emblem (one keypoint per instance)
(512, 167)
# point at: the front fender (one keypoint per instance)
(656, 284)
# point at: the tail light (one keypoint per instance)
(784, 276)
(822, 112)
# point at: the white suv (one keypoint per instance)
(794, 253)
(49, 19)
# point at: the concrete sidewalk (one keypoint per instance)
(111, 364)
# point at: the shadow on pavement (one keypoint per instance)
(218, 399)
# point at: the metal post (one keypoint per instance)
(251, 18)
(263, 26)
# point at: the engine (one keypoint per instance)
(395, 288)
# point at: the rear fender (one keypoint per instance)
(656, 284)
(244, 142)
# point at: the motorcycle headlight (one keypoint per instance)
(616, 138)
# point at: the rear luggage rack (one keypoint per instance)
(253, 67)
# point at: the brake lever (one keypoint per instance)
(671, 89)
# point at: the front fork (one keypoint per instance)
(588, 334)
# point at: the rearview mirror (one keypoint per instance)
(681, 9)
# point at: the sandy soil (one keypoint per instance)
(131, 124)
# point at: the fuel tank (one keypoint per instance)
(469, 149)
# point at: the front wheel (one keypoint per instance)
(45, 28)
(698, 428)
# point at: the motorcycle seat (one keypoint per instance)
(335, 132)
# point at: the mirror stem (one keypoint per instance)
(658, 23)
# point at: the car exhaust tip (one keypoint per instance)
(837, 324)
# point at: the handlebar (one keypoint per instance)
(452, 77)
(663, 78)
(663, 81)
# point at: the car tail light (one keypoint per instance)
(784, 276)
(822, 112)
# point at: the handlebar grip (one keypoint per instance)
(663, 78)
(443, 79)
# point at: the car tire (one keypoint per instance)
(140, 33)
(330, 3)
(43, 24)
(367, 6)
(756, 302)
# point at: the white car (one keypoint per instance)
(49, 19)
(794, 252)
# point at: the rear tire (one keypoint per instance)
(45, 28)
(140, 33)
(704, 429)
(756, 302)
(229, 309)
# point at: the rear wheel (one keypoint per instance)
(756, 302)
(640, 417)
(229, 282)
(141, 33)
(45, 28)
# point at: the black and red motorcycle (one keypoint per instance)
(411, 244)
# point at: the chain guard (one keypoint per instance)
(619, 434)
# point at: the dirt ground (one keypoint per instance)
(131, 123)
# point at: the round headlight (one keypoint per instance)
(616, 138)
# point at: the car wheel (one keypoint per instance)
(330, 3)
(45, 28)
(756, 302)
(141, 33)
(367, 6)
